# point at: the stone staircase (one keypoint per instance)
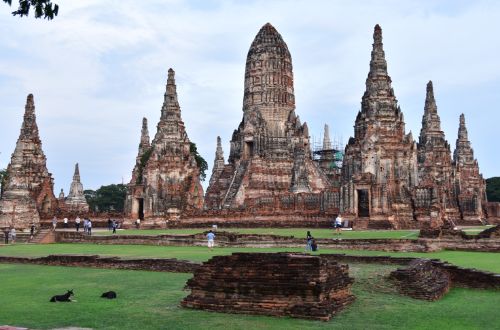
(43, 236)
(235, 184)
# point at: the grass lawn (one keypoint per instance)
(480, 260)
(297, 232)
(150, 300)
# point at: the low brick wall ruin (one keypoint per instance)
(277, 284)
(422, 280)
(230, 239)
(459, 276)
(94, 261)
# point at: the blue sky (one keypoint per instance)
(100, 66)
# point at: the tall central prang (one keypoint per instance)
(270, 160)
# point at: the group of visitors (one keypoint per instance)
(311, 244)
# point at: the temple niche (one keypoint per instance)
(469, 183)
(75, 203)
(380, 162)
(165, 180)
(270, 170)
(434, 198)
(28, 194)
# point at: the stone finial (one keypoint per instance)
(462, 129)
(144, 134)
(327, 144)
(29, 128)
(430, 102)
(378, 63)
(76, 175)
(171, 104)
(219, 153)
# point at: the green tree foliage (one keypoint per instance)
(493, 189)
(200, 161)
(3, 180)
(42, 8)
(107, 198)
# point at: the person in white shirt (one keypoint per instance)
(77, 223)
(89, 227)
(338, 225)
(65, 222)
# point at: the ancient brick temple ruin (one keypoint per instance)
(28, 194)
(434, 197)
(380, 163)
(469, 183)
(270, 170)
(277, 284)
(75, 203)
(389, 181)
(166, 178)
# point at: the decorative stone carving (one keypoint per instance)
(28, 193)
(166, 179)
(270, 157)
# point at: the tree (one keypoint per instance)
(200, 161)
(44, 8)
(493, 189)
(107, 198)
(3, 180)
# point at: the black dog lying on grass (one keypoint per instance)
(109, 295)
(63, 297)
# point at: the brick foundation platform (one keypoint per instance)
(276, 284)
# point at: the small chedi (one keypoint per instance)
(75, 203)
(270, 170)
(166, 178)
(390, 181)
(470, 185)
(277, 284)
(29, 188)
(434, 197)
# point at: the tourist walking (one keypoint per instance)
(338, 224)
(85, 225)
(210, 238)
(13, 235)
(114, 224)
(54, 223)
(89, 227)
(65, 220)
(138, 223)
(32, 231)
(309, 239)
(77, 223)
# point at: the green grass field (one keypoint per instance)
(150, 300)
(480, 260)
(296, 232)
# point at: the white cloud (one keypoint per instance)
(100, 66)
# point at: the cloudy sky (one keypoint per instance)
(100, 66)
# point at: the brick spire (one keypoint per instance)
(378, 81)
(218, 162)
(463, 151)
(327, 144)
(144, 144)
(29, 128)
(171, 108)
(431, 123)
